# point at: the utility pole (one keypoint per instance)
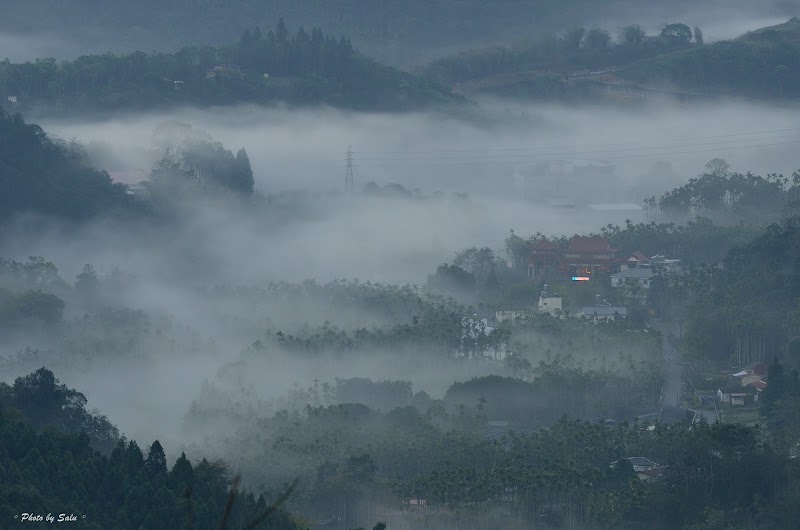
(349, 187)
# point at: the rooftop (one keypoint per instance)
(641, 461)
(589, 245)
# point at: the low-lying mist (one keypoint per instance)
(504, 158)
(294, 149)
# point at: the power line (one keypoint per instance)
(586, 153)
(566, 147)
(550, 157)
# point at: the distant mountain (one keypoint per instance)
(398, 32)
(306, 69)
(761, 63)
(577, 62)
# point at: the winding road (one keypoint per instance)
(673, 370)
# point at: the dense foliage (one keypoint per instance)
(747, 310)
(49, 443)
(559, 388)
(555, 66)
(304, 69)
(42, 175)
(734, 197)
(46, 403)
(760, 63)
(395, 31)
(551, 57)
(201, 167)
(357, 462)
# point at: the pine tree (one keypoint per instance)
(182, 474)
(246, 38)
(156, 463)
(281, 33)
(242, 175)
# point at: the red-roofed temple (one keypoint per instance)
(584, 256)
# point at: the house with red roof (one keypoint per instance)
(637, 259)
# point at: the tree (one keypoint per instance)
(698, 35)
(281, 33)
(257, 33)
(573, 37)
(776, 390)
(156, 462)
(676, 34)
(717, 167)
(242, 174)
(45, 176)
(597, 39)
(302, 37)
(246, 37)
(631, 35)
(478, 262)
(182, 474)
(451, 278)
(31, 306)
(781, 73)
(43, 400)
(87, 279)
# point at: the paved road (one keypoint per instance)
(673, 367)
(673, 370)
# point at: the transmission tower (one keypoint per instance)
(349, 187)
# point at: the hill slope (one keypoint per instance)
(303, 69)
(399, 32)
(50, 177)
(762, 63)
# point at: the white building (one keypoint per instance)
(638, 276)
(549, 302)
(670, 266)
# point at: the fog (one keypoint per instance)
(20, 47)
(327, 235)
(306, 149)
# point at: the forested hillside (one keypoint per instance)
(747, 310)
(575, 49)
(763, 63)
(263, 67)
(42, 175)
(400, 32)
(50, 462)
